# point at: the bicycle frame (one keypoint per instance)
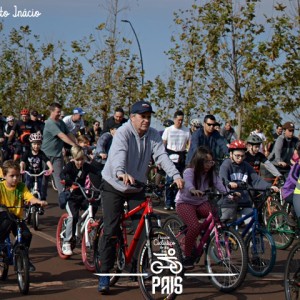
(144, 222)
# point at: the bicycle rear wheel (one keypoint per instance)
(87, 252)
(60, 232)
(292, 274)
(22, 270)
(282, 233)
(262, 253)
(227, 258)
(151, 279)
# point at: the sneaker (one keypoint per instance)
(31, 267)
(172, 208)
(167, 208)
(66, 249)
(103, 284)
(188, 263)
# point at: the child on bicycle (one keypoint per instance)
(191, 203)
(15, 193)
(33, 161)
(75, 171)
(235, 170)
(255, 158)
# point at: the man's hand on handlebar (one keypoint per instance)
(126, 178)
(180, 183)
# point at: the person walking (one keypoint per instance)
(55, 134)
(208, 136)
(176, 139)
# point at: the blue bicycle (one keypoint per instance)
(258, 241)
(15, 254)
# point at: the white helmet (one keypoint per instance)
(35, 137)
(9, 118)
(196, 123)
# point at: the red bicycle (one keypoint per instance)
(159, 253)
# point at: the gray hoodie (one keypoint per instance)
(131, 154)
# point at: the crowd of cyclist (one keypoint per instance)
(209, 156)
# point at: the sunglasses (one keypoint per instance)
(291, 130)
(211, 124)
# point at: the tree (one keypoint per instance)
(221, 64)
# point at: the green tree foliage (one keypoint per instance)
(221, 63)
(34, 74)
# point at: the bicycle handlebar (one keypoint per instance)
(82, 189)
(44, 172)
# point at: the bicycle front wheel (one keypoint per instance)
(60, 232)
(22, 270)
(282, 233)
(35, 218)
(261, 252)
(292, 274)
(88, 249)
(226, 260)
(164, 281)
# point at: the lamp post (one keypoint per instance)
(137, 40)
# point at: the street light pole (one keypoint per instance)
(137, 40)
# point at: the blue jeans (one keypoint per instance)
(171, 192)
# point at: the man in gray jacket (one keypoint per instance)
(133, 145)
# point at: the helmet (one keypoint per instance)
(237, 145)
(196, 123)
(254, 139)
(25, 111)
(35, 137)
(9, 118)
(168, 123)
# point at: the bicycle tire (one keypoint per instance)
(267, 211)
(4, 265)
(35, 218)
(87, 253)
(59, 239)
(174, 225)
(292, 274)
(22, 270)
(28, 214)
(161, 241)
(235, 266)
(261, 261)
(282, 233)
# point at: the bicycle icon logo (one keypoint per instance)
(166, 261)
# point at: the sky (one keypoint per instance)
(68, 20)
